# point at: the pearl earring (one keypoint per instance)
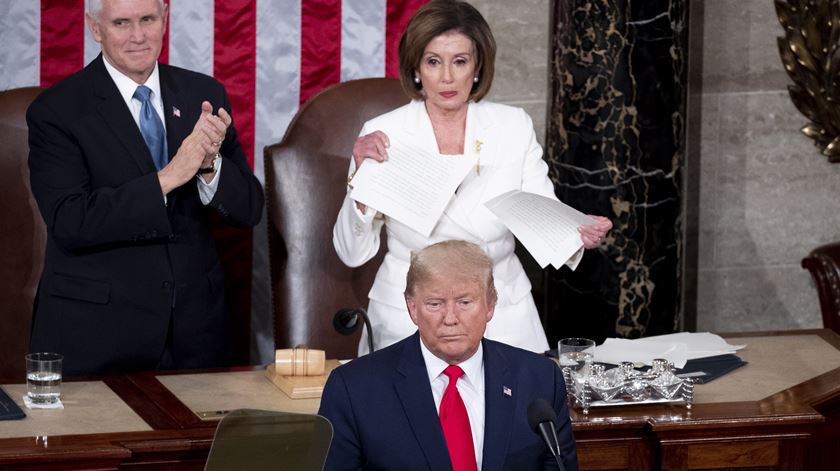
(475, 79)
(416, 79)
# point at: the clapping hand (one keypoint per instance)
(214, 129)
(197, 149)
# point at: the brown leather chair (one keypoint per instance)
(305, 181)
(824, 265)
(22, 234)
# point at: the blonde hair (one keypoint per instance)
(454, 259)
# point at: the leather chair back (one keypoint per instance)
(306, 181)
(824, 265)
(22, 234)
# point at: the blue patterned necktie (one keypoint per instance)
(151, 127)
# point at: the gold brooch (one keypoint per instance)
(477, 145)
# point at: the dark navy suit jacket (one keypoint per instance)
(383, 413)
(123, 271)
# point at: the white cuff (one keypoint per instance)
(206, 191)
(575, 259)
(367, 216)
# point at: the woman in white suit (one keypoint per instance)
(447, 56)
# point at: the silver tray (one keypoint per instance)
(629, 386)
(630, 402)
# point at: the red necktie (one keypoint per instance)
(456, 424)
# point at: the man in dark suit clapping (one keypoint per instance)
(128, 159)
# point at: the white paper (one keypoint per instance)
(413, 186)
(545, 226)
(614, 351)
(676, 348)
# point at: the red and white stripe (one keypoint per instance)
(272, 55)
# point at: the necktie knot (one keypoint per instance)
(143, 93)
(453, 372)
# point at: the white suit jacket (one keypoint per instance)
(509, 158)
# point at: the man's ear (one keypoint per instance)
(412, 308)
(93, 26)
(490, 311)
(165, 15)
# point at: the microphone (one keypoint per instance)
(346, 321)
(541, 418)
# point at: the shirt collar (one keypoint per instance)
(472, 366)
(127, 86)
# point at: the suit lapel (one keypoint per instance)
(418, 127)
(481, 140)
(415, 393)
(116, 115)
(479, 143)
(500, 389)
(179, 121)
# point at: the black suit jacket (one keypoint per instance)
(123, 271)
(384, 417)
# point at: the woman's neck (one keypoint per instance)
(449, 127)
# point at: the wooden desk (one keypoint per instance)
(761, 428)
(155, 426)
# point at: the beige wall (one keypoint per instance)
(521, 29)
(767, 197)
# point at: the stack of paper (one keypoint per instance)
(676, 348)
(413, 186)
(545, 226)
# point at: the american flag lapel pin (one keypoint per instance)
(506, 391)
(176, 112)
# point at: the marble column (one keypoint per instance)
(615, 147)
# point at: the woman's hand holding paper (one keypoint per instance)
(593, 234)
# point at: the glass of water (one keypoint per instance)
(576, 353)
(43, 377)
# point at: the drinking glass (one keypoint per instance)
(576, 353)
(43, 377)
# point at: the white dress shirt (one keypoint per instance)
(127, 87)
(470, 387)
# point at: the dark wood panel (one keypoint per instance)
(108, 450)
(733, 454)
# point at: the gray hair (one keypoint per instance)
(456, 259)
(94, 8)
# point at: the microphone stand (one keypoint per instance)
(369, 329)
(346, 321)
(549, 435)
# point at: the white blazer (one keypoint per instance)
(509, 158)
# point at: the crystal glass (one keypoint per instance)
(576, 353)
(606, 384)
(43, 377)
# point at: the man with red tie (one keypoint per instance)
(445, 397)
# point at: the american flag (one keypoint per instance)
(272, 55)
